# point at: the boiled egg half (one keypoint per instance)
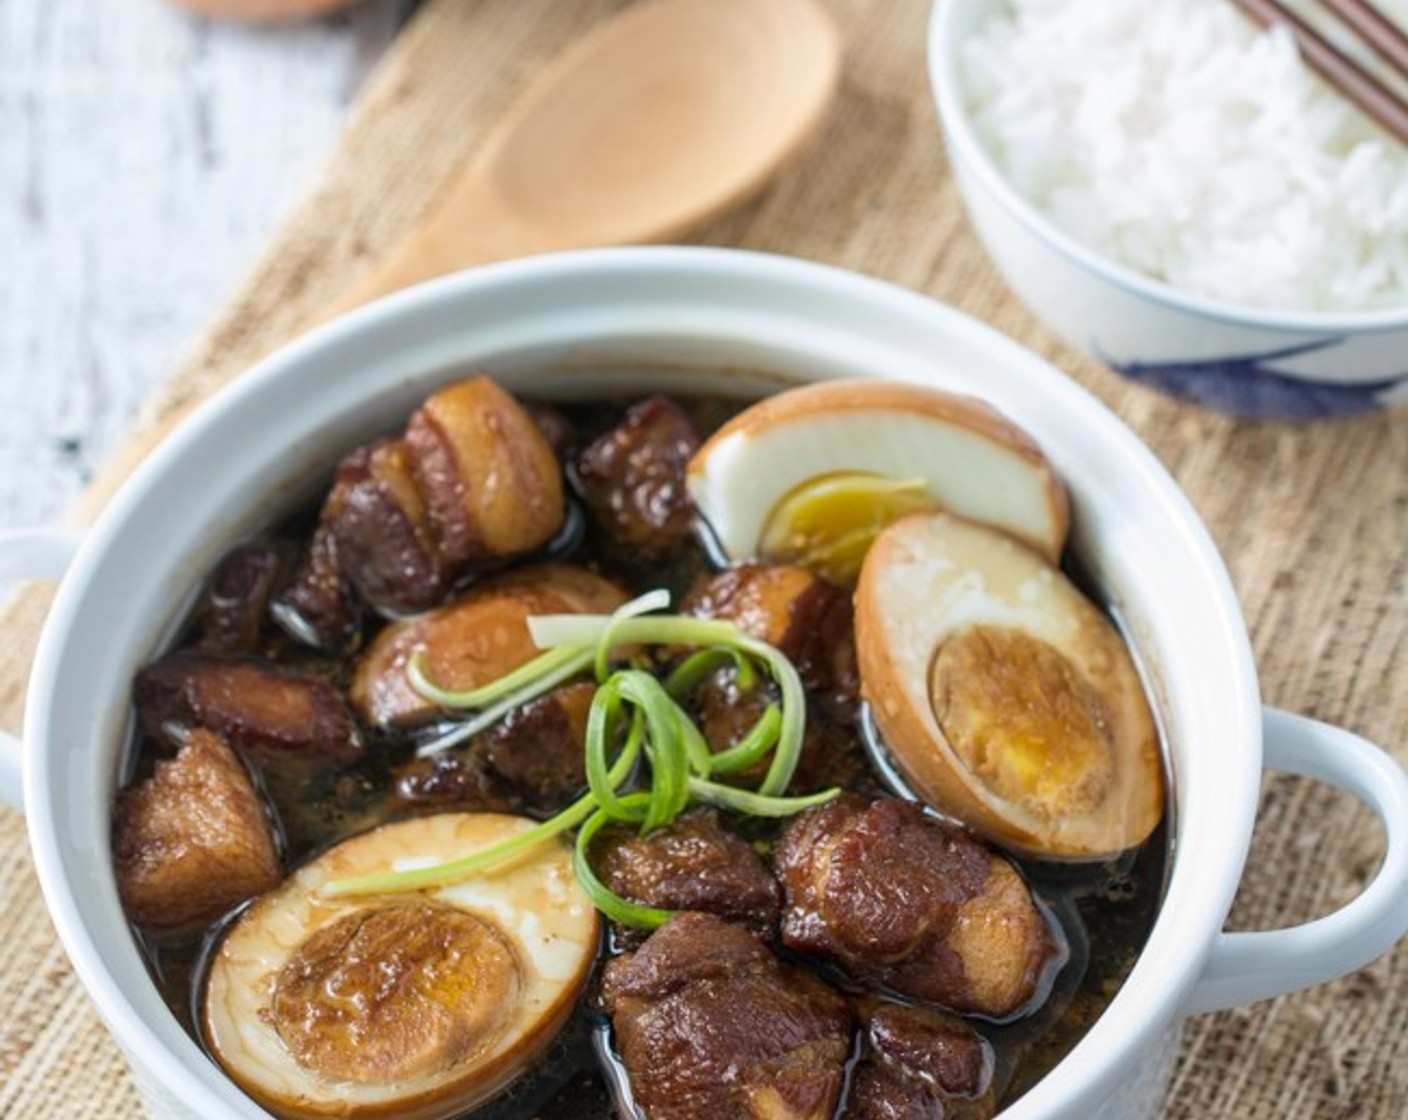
(1006, 699)
(811, 475)
(472, 641)
(417, 1006)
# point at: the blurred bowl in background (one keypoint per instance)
(1243, 360)
(263, 11)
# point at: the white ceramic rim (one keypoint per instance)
(945, 44)
(1212, 835)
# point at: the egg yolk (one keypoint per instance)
(394, 993)
(828, 523)
(1023, 720)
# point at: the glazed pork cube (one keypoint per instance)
(317, 607)
(693, 863)
(385, 544)
(276, 718)
(632, 477)
(533, 760)
(920, 1064)
(895, 898)
(472, 481)
(538, 750)
(193, 840)
(798, 612)
(235, 604)
(709, 1024)
(490, 479)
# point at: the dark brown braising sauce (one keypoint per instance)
(1105, 910)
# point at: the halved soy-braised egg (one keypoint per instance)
(414, 1006)
(1003, 695)
(810, 476)
(471, 641)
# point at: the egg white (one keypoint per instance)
(972, 461)
(534, 903)
(932, 576)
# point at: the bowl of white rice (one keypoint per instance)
(1171, 189)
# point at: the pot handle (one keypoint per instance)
(29, 554)
(1245, 967)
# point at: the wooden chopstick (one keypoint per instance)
(1361, 87)
(1376, 29)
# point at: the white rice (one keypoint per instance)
(1181, 139)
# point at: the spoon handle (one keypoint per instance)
(469, 226)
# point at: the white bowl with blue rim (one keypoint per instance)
(1244, 361)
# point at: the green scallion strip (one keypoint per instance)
(794, 714)
(482, 697)
(656, 600)
(615, 907)
(455, 870)
(696, 747)
(602, 718)
(664, 745)
(688, 674)
(756, 804)
(565, 670)
(752, 747)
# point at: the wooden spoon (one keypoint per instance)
(653, 123)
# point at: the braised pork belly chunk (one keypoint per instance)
(236, 603)
(709, 1024)
(695, 863)
(893, 897)
(807, 618)
(531, 762)
(920, 1064)
(831, 755)
(471, 641)
(380, 521)
(318, 608)
(470, 483)
(192, 841)
(276, 717)
(632, 477)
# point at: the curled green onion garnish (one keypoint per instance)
(565, 630)
(634, 708)
(665, 745)
(688, 674)
(794, 714)
(601, 720)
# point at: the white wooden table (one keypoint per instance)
(144, 156)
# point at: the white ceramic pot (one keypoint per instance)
(585, 322)
(1249, 362)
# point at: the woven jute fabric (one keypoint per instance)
(1312, 519)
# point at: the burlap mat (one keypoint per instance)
(1313, 521)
